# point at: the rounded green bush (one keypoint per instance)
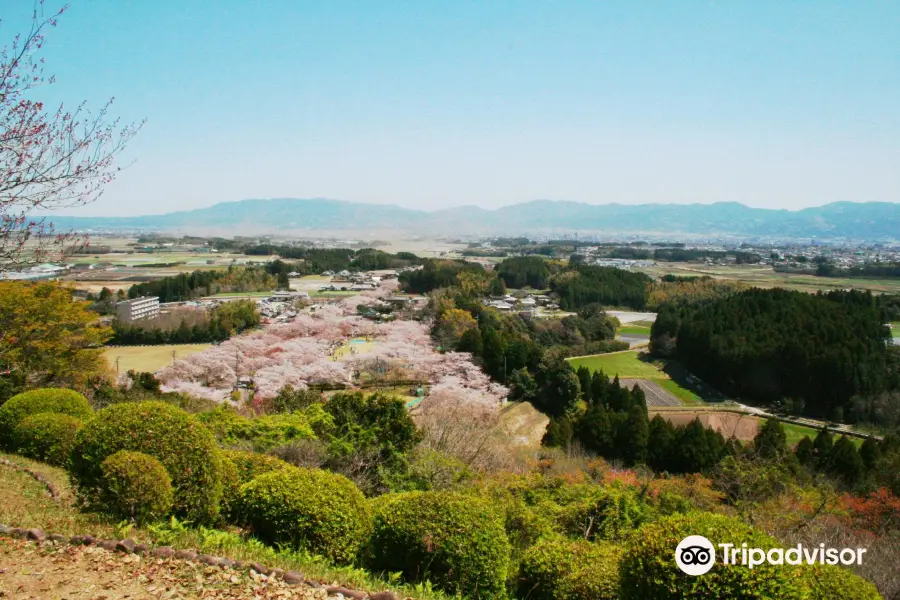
(317, 511)
(46, 400)
(561, 569)
(186, 449)
(231, 492)
(47, 437)
(648, 570)
(136, 486)
(251, 465)
(827, 582)
(456, 541)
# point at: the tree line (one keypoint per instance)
(813, 352)
(222, 322)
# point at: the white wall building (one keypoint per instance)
(146, 307)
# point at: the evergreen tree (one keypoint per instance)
(845, 461)
(771, 441)
(599, 388)
(635, 433)
(659, 446)
(805, 452)
(584, 378)
(822, 447)
(595, 431)
(470, 341)
(559, 433)
(869, 452)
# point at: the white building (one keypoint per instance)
(146, 307)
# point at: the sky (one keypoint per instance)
(437, 103)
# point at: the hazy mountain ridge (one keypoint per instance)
(870, 220)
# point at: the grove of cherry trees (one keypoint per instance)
(299, 353)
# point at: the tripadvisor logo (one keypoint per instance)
(696, 555)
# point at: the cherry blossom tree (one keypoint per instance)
(49, 159)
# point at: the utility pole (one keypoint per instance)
(117, 365)
(504, 369)
(173, 357)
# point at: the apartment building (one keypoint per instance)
(145, 307)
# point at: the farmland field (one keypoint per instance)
(148, 358)
(766, 277)
(656, 395)
(633, 329)
(742, 426)
(627, 365)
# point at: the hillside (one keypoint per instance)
(868, 221)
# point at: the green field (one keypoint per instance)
(626, 365)
(633, 329)
(148, 358)
(766, 277)
(335, 294)
(795, 433)
(361, 346)
(688, 397)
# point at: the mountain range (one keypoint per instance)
(851, 220)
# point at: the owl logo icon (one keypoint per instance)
(695, 555)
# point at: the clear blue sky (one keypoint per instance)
(439, 103)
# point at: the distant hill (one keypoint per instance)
(861, 221)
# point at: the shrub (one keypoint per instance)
(46, 400)
(454, 540)
(317, 511)
(136, 486)
(229, 508)
(559, 569)
(826, 582)
(648, 570)
(186, 449)
(250, 465)
(47, 437)
(257, 433)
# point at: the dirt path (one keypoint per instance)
(64, 572)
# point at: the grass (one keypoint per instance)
(633, 329)
(148, 358)
(627, 365)
(362, 346)
(688, 397)
(25, 503)
(795, 433)
(765, 277)
(333, 294)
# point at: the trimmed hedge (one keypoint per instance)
(231, 493)
(560, 569)
(47, 437)
(186, 449)
(251, 465)
(648, 570)
(827, 582)
(136, 486)
(46, 400)
(317, 511)
(456, 541)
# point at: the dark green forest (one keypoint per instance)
(815, 351)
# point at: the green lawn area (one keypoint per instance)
(360, 345)
(335, 294)
(633, 329)
(795, 433)
(626, 365)
(688, 397)
(148, 358)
